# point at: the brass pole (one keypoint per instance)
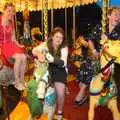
(52, 15)
(104, 11)
(45, 18)
(74, 22)
(66, 19)
(42, 21)
(16, 29)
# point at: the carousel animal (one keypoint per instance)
(40, 97)
(77, 52)
(100, 92)
(44, 90)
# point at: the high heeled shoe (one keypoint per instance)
(60, 116)
(81, 101)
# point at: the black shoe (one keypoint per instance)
(81, 101)
(60, 116)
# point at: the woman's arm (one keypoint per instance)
(60, 62)
(92, 48)
(15, 41)
(64, 55)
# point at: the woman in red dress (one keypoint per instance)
(10, 47)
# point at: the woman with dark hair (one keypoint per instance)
(57, 53)
(10, 46)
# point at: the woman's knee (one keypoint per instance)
(20, 57)
(60, 92)
(17, 57)
(24, 57)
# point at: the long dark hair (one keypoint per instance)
(50, 40)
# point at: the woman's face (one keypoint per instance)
(114, 17)
(57, 39)
(9, 12)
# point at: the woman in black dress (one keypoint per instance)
(57, 53)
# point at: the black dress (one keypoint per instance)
(57, 73)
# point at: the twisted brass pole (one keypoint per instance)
(45, 18)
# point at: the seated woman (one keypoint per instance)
(10, 47)
(86, 65)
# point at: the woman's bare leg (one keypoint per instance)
(17, 65)
(60, 91)
(81, 92)
(22, 68)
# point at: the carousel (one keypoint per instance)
(29, 106)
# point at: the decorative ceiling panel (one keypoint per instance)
(52, 4)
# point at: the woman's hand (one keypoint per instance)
(21, 46)
(96, 54)
(18, 44)
(50, 58)
(41, 57)
(104, 37)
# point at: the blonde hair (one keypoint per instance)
(9, 4)
(110, 10)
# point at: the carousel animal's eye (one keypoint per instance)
(107, 46)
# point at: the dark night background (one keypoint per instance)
(87, 17)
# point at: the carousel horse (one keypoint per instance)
(102, 87)
(77, 52)
(40, 97)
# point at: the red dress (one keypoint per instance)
(9, 47)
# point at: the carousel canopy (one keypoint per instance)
(113, 3)
(52, 4)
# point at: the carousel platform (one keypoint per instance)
(71, 112)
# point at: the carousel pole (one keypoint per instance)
(104, 16)
(52, 15)
(42, 21)
(105, 7)
(16, 29)
(66, 19)
(45, 18)
(74, 22)
(27, 39)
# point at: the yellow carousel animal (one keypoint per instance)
(77, 52)
(99, 95)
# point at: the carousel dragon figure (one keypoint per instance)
(103, 89)
(44, 93)
(40, 97)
